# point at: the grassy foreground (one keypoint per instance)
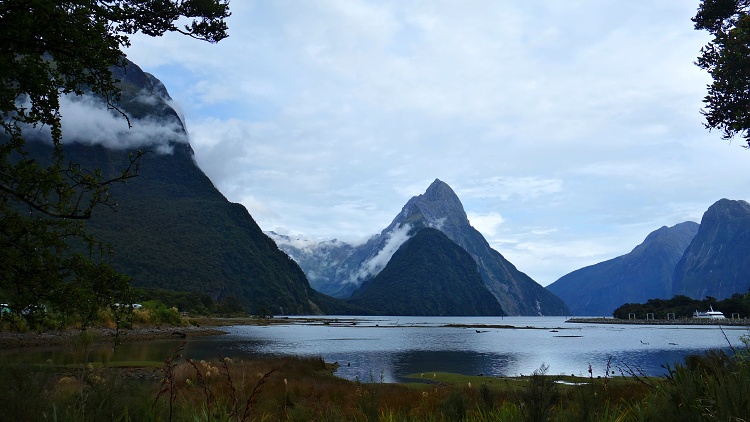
(708, 387)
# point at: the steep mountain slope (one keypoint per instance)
(642, 274)
(428, 275)
(716, 264)
(439, 208)
(321, 261)
(516, 292)
(173, 229)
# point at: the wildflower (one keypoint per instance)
(425, 394)
(285, 381)
(228, 360)
(189, 381)
(469, 385)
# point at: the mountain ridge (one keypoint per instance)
(440, 208)
(705, 260)
(642, 274)
(715, 263)
(172, 228)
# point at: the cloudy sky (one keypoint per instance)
(569, 129)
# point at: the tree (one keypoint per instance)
(48, 49)
(727, 59)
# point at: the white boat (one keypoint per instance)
(709, 314)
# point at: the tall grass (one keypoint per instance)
(709, 387)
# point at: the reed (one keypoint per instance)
(713, 386)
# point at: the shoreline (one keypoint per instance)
(19, 340)
(744, 322)
(207, 326)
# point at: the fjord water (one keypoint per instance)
(389, 348)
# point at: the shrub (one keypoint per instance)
(711, 386)
(454, 406)
(155, 312)
(539, 397)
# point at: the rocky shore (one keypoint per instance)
(682, 321)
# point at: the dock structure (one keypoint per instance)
(679, 321)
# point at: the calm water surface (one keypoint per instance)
(389, 348)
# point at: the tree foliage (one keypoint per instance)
(683, 307)
(49, 49)
(727, 59)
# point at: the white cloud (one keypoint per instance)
(505, 188)
(85, 119)
(576, 122)
(374, 265)
(487, 224)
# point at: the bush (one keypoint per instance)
(540, 396)
(454, 407)
(711, 386)
(155, 312)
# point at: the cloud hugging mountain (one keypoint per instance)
(428, 275)
(172, 228)
(340, 269)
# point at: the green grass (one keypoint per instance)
(709, 387)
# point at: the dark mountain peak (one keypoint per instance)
(686, 226)
(715, 264)
(158, 87)
(654, 235)
(727, 209)
(144, 96)
(666, 235)
(439, 191)
(440, 208)
(642, 274)
(438, 205)
(340, 272)
(173, 229)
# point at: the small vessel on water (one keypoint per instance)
(709, 314)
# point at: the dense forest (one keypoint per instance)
(683, 307)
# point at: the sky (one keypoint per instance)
(569, 130)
